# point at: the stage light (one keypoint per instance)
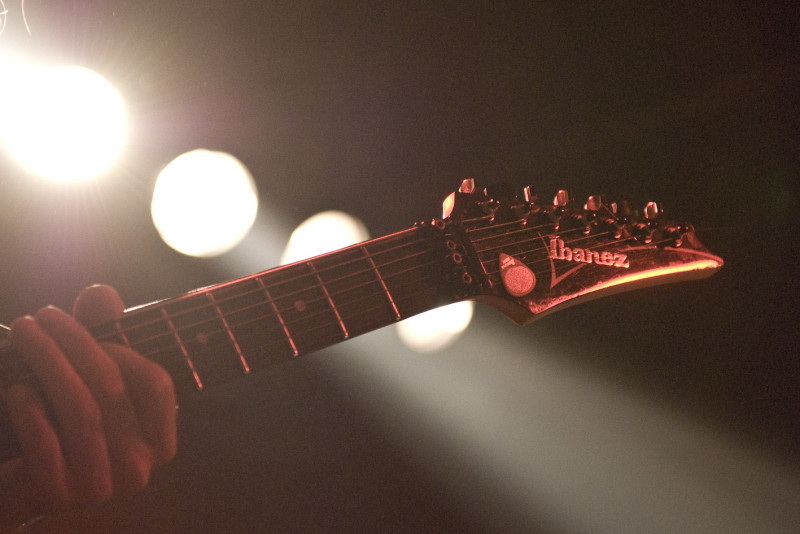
(324, 232)
(435, 329)
(204, 203)
(64, 123)
(523, 427)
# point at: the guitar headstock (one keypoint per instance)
(529, 258)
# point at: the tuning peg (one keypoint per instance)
(594, 203)
(467, 186)
(651, 211)
(528, 194)
(561, 199)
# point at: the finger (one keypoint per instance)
(153, 396)
(77, 416)
(39, 443)
(131, 457)
(83, 359)
(97, 304)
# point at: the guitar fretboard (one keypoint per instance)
(214, 334)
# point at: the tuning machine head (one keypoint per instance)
(595, 203)
(561, 200)
(468, 201)
(529, 194)
(467, 185)
(652, 211)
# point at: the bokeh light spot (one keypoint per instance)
(324, 232)
(64, 123)
(435, 329)
(204, 203)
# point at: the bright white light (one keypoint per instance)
(64, 123)
(204, 203)
(435, 329)
(321, 233)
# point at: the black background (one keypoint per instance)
(380, 109)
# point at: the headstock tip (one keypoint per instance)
(538, 257)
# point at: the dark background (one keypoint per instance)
(380, 109)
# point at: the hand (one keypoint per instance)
(98, 420)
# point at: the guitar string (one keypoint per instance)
(344, 304)
(220, 302)
(13, 368)
(265, 303)
(307, 317)
(325, 339)
(334, 281)
(276, 327)
(297, 278)
(259, 290)
(279, 338)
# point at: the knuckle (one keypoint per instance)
(89, 417)
(112, 385)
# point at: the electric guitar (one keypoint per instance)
(525, 257)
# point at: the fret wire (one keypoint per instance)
(260, 281)
(383, 284)
(242, 360)
(183, 348)
(305, 319)
(330, 300)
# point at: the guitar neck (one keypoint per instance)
(215, 334)
(521, 256)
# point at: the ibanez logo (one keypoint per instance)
(559, 251)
